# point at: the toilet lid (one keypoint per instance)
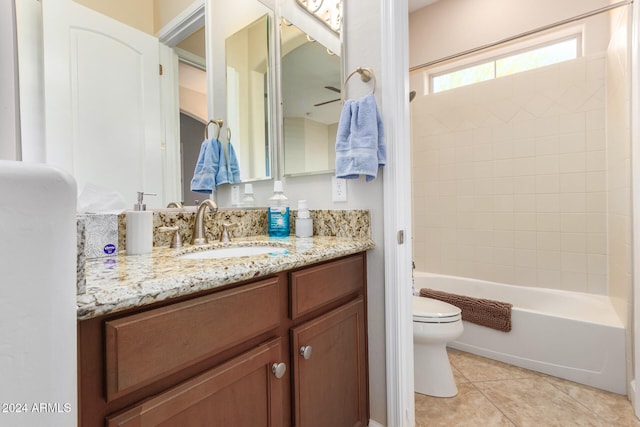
(433, 310)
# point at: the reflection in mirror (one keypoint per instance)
(329, 12)
(248, 107)
(192, 78)
(136, 132)
(311, 86)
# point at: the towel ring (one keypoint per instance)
(366, 74)
(228, 134)
(218, 122)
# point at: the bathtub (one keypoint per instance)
(571, 335)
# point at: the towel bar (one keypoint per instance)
(366, 74)
(218, 122)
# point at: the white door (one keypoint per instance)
(102, 101)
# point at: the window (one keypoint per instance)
(541, 56)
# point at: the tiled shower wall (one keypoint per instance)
(618, 135)
(509, 179)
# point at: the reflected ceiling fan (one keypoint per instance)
(331, 88)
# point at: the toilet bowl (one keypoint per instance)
(435, 323)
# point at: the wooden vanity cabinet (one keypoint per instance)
(329, 347)
(232, 357)
(198, 357)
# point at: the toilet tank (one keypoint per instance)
(37, 296)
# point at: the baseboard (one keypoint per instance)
(373, 423)
(633, 397)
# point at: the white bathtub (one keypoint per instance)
(570, 335)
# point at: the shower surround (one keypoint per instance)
(510, 178)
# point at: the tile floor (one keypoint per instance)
(492, 393)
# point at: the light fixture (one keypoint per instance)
(329, 12)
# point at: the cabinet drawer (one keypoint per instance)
(314, 287)
(148, 346)
(241, 392)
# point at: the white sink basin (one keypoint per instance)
(234, 252)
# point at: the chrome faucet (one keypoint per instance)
(199, 237)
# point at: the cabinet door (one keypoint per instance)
(329, 369)
(242, 392)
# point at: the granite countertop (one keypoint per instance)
(118, 283)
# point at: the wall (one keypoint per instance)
(145, 15)
(456, 22)
(193, 91)
(618, 134)
(9, 113)
(165, 10)
(310, 145)
(138, 14)
(510, 179)
(195, 43)
(618, 131)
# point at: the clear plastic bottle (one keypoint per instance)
(278, 212)
(304, 223)
(248, 201)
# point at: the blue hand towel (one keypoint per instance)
(234, 168)
(360, 148)
(204, 175)
(207, 173)
(222, 173)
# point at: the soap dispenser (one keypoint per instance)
(139, 227)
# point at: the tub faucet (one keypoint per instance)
(199, 237)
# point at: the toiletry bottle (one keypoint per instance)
(304, 223)
(139, 228)
(278, 212)
(248, 201)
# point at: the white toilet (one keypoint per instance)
(435, 323)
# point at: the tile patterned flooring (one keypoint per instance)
(492, 393)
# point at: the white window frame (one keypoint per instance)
(514, 48)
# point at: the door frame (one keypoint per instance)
(397, 213)
(634, 393)
(183, 25)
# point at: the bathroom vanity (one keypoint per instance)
(287, 347)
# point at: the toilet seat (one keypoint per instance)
(429, 310)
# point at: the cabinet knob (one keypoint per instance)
(305, 351)
(279, 369)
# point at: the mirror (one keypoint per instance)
(311, 76)
(241, 81)
(145, 150)
(248, 118)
